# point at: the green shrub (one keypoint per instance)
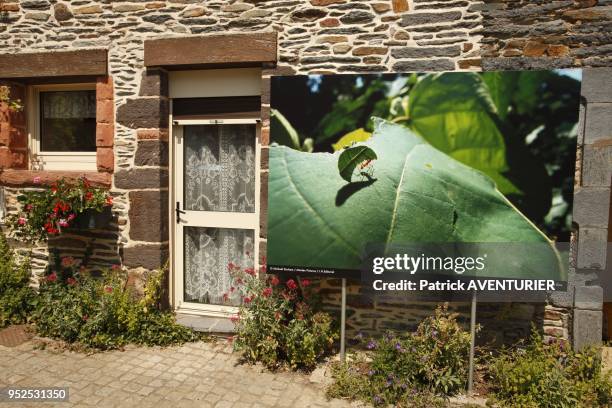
(278, 323)
(402, 369)
(15, 292)
(104, 313)
(549, 375)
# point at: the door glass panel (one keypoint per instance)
(219, 168)
(208, 252)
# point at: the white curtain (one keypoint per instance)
(69, 104)
(208, 252)
(220, 168)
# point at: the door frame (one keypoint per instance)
(176, 253)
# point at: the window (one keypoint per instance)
(63, 127)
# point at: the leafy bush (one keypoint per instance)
(104, 313)
(402, 369)
(277, 322)
(15, 292)
(550, 375)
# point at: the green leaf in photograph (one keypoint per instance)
(316, 219)
(501, 88)
(454, 112)
(356, 136)
(285, 134)
(352, 157)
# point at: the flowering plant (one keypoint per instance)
(45, 212)
(278, 322)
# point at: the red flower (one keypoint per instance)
(116, 267)
(305, 282)
(247, 300)
(108, 289)
(274, 281)
(225, 297)
(277, 315)
(263, 269)
(88, 196)
(85, 317)
(67, 261)
(250, 271)
(267, 292)
(109, 200)
(71, 281)
(234, 318)
(52, 277)
(291, 284)
(230, 266)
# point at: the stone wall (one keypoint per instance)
(543, 34)
(314, 36)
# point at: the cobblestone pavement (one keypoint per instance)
(194, 375)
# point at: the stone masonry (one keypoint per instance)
(314, 36)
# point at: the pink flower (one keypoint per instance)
(116, 267)
(250, 271)
(274, 281)
(225, 297)
(52, 277)
(85, 318)
(71, 281)
(230, 266)
(267, 292)
(305, 282)
(71, 216)
(277, 315)
(234, 319)
(28, 207)
(67, 261)
(108, 289)
(36, 180)
(63, 223)
(21, 221)
(291, 284)
(247, 300)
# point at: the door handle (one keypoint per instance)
(178, 212)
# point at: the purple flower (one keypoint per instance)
(371, 345)
(404, 386)
(389, 382)
(398, 346)
(377, 399)
(434, 334)
(371, 373)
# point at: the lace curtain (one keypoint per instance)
(219, 173)
(68, 104)
(208, 252)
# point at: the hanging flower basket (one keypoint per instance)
(63, 204)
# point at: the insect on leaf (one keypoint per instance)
(351, 157)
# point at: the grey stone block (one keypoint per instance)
(592, 245)
(592, 207)
(588, 297)
(596, 165)
(598, 123)
(206, 324)
(587, 328)
(425, 52)
(503, 64)
(596, 84)
(440, 64)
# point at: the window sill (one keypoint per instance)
(25, 178)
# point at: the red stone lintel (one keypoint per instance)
(247, 49)
(25, 178)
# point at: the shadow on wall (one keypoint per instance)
(93, 241)
(501, 323)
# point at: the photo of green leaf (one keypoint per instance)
(445, 157)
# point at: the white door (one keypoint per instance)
(216, 210)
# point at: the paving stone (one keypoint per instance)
(194, 375)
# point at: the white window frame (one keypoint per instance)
(81, 161)
(247, 221)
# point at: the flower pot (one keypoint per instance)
(90, 219)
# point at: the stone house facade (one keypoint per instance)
(133, 58)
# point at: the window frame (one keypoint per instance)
(82, 161)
